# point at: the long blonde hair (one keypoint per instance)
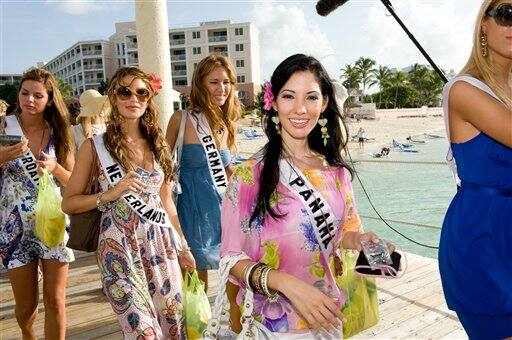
(200, 101)
(114, 137)
(56, 114)
(484, 66)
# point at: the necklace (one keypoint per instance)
(40, 147)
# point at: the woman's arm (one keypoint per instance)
(186, 259)
(468, 104)
(172, 129)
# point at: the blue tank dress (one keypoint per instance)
(475, 251)
(199, 205)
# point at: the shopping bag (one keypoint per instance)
(361, 307)
(50, 220)
(196, 305)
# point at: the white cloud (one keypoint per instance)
(79, 7)
(440, 27)
(284, 31)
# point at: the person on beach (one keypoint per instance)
(209, 130)
(293, 249)
(42, 119)
(476, 238)
(361, 137)
(94, 109)
(139, 265)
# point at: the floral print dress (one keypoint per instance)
(288, 244)
(18, 198)
(139, 268)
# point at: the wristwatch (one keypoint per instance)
(100, 204)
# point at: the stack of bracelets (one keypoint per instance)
(256, 278)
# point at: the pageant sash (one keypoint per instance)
(28, 161)
(319, 211)
(204, 133)
(114, 173)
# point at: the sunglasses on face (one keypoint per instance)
(125, 93)
(501, 14)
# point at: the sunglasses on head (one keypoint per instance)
(502, 14)
(125, 93)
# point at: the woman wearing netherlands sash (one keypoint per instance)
(208, 136)
(139, 265)
(291, 208)
(42, 118)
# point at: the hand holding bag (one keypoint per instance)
(218, 326)
(85, 227)
(50, 220)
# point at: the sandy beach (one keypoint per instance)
(380, 132)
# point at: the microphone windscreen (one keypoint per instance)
(324, 7)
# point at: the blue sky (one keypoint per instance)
(32, 31)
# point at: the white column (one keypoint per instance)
(154, 50)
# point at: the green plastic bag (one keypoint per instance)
(50, 220)
(361, 307)
(196, 304)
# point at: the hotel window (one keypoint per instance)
(196, 35)
(240, 63)
(239, 31)
(196, 50)
(240, 79)
(239, 47)
(180, 82)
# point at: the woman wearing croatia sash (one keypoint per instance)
(139, 264)
(291, 207)
(41, 117)
(208, 136)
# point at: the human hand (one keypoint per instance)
(49, 163)
(370, 236)
(130, 182)
(12, 152)
(318, 310)
(187, 261)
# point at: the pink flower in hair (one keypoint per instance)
(156, 82)
(268, 96)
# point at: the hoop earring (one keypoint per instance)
(483, 45)
(275, 120)
(325, 135)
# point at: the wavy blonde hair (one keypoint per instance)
(483, 67)
(114, 137)
(226, 115)
(56, 114)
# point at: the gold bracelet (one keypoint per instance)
(256, 278)
(270, 293)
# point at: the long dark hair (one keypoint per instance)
(273, 150)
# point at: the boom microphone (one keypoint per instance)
(325, 7)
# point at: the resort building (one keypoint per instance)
(87, 63)
(6, 79)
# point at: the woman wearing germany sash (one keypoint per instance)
(208, 136)
(291, 208)
(136, 251)
(41, 117)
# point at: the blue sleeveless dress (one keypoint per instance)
(199, 205)
(476, 239)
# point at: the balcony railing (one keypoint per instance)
(178, 57)
(86, 52)
(223, 52)
(179, 72)
(218, 38)
(133, 61)
(177, 41)
(93, 80)
(131, 45)
(93, 67)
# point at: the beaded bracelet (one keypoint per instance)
(270, 293)
(256, 278)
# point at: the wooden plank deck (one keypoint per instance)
(411, 307)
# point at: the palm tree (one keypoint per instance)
(365, 66)
(418, 77)
(381, 76)
(351, 77)
(396, 81)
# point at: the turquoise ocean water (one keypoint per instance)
(417, 193)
